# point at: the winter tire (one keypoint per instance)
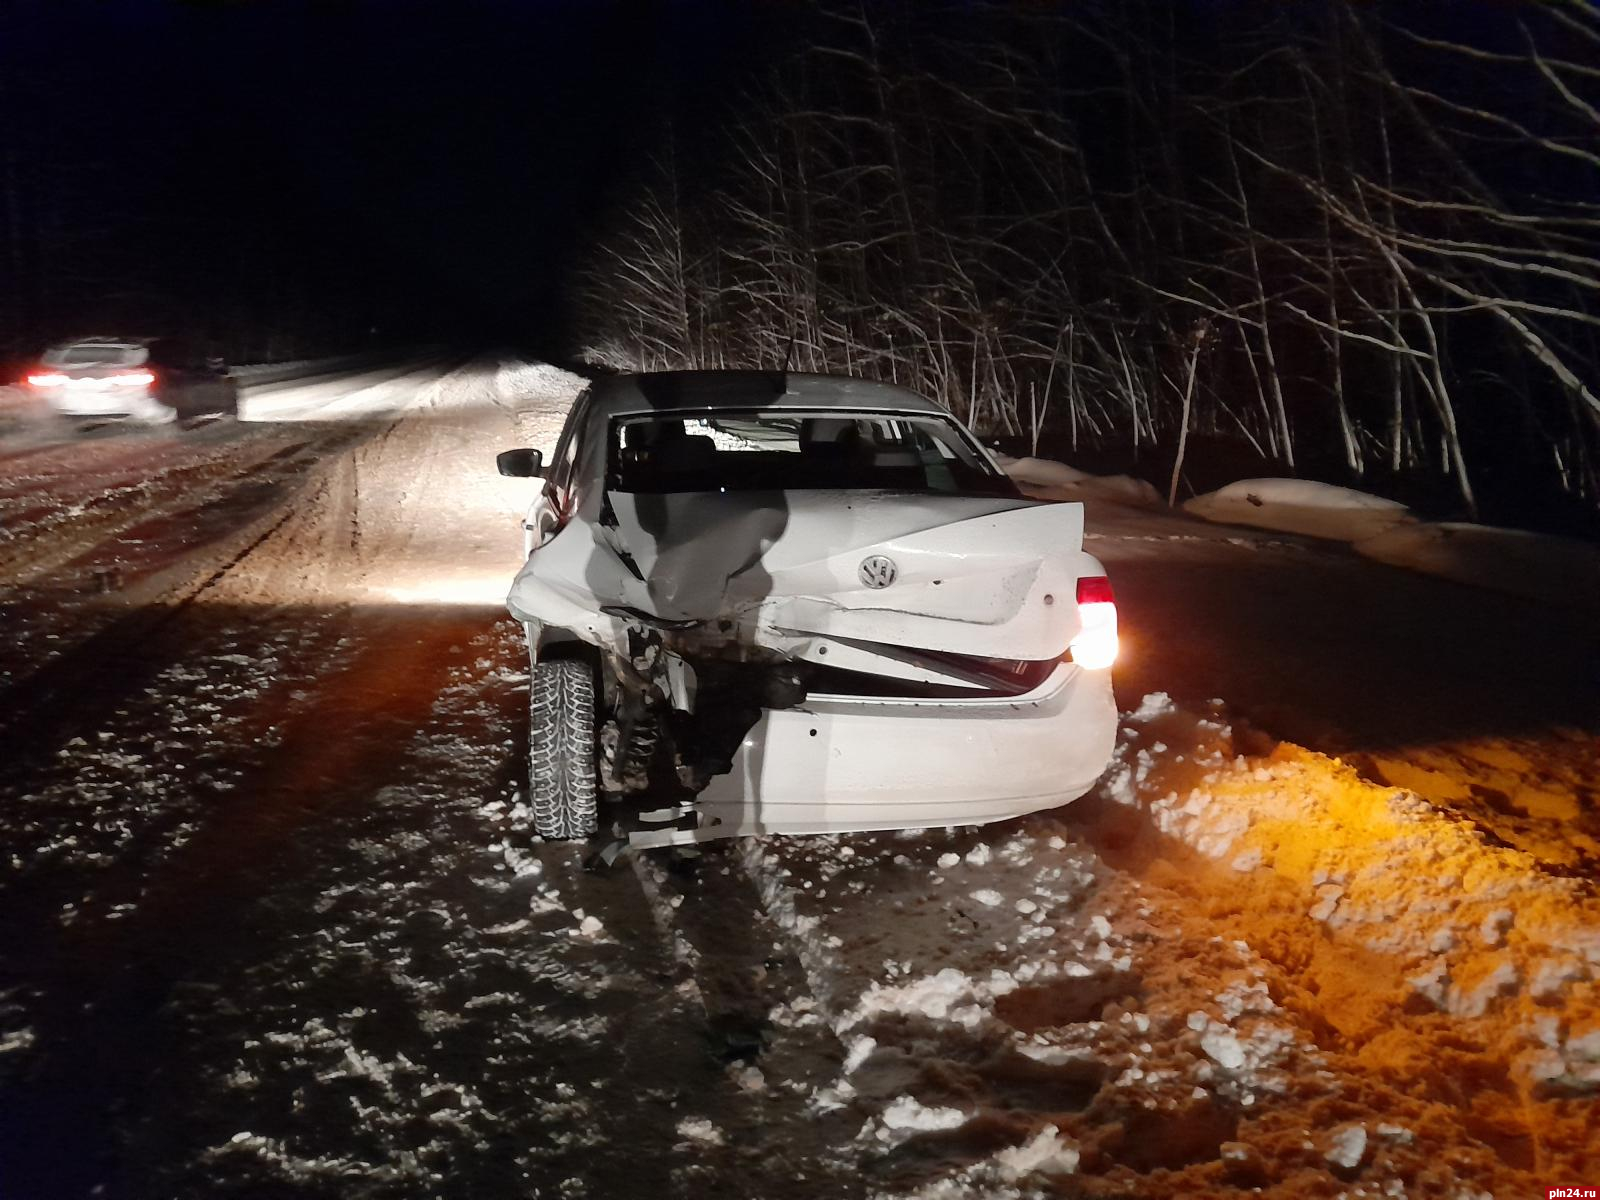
(561, 749)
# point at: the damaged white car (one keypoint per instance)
(775, 602)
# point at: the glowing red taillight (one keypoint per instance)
(1095, 647)
(92, 383)
(1095, 589)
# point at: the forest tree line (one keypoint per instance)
(1351, 240)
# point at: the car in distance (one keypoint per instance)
(793, 603)
(161, 379)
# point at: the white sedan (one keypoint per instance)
(775, 602)
(160, 379)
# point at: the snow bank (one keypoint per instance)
(1120, 489)
(1047, 479)
(1300, 506)
(1473, 929)
(1041, 472)
(1540, 567)
(989, 1049)
(516, 380)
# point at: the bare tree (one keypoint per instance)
(912, 198)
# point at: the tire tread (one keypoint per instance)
(561, 750)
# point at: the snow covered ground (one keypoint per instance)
(272, 924)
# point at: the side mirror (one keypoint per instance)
(520, 464)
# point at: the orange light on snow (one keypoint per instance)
(1095, 647)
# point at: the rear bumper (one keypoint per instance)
(134, 402)
(845, 764)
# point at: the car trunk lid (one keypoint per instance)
(965, 574)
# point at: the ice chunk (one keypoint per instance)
(1474, 1002)
(1553, 975)
(1432, 982)
(861, 1049)
(905, 1117)
(700, 1130)
(1495, 925)
(1347, 1147)
(1156, 704)
(1045, 1153)
(1223, 1048)
(748, 1079)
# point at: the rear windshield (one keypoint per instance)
(792, 451)
(97, 354)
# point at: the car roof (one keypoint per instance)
(662, 391)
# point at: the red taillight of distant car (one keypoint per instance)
(92, 383)
(1095, 647)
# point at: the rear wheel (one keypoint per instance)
(561, 749)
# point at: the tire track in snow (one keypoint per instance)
(61, 527)
(132, 639)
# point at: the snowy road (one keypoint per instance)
(270, 924)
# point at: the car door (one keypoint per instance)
(553, 505)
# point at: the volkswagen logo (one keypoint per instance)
(877, 571)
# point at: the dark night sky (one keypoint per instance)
(434, 167)
(439, 163)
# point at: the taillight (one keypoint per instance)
(1095, 647)
(92, 383)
